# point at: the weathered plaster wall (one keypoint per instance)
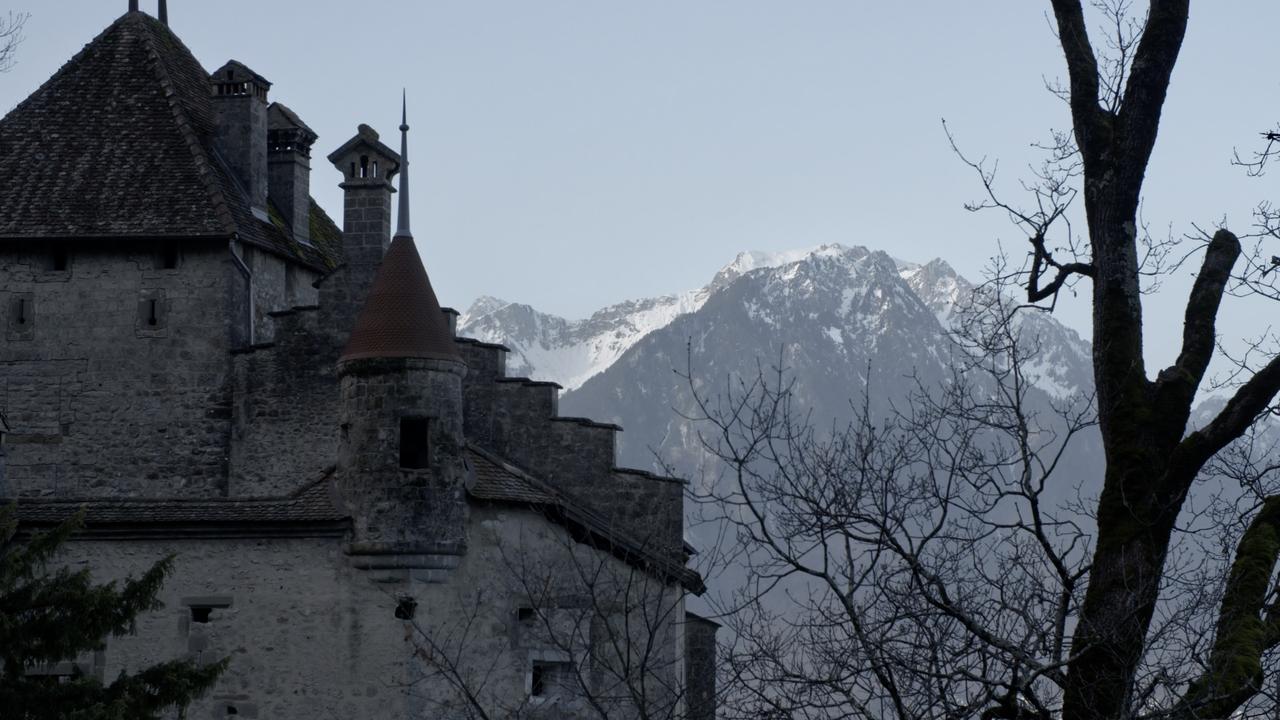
(309, 636)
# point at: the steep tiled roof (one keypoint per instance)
(498, 481)
(401, 317)
(313, 504)
(119, 143)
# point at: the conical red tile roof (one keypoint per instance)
(401, 318)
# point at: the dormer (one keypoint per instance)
(240, 100)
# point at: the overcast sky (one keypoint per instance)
(575, 153)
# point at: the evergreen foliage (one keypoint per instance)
(52, 616)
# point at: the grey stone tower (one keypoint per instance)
(240, 99)
(289, 142)
(367, 167)
(402, 454)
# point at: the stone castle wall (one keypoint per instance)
(309, 636)
(113, 372)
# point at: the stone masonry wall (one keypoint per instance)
(116, 378)
(517, 419)
(285, 407)
(394, 507)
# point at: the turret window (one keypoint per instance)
(415, 445)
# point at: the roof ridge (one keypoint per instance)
(201, 155)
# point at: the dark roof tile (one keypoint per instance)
(119, 142)
(401, 317)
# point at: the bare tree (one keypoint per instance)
(588, 634)
(933, 577)
(11, 37)
(912, 566)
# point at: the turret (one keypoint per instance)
(240, 99)
(401, 456)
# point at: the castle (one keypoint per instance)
(369, 518)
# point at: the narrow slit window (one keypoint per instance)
(538, 687)
(415, 446)
(20, 311)
(153, 316)
(364, 166)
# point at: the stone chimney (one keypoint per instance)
(240, 100)
(289, 143)
(367, 167)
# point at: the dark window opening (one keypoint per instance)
(551, 679)
(169, 256)
(539, 686)
(59, 259)
(364, 166)
(231, 710)
(153, 317)
(415, 443)
(200, 613)
(20, 311)
(375, 168)
(405, 608)
(525, 614)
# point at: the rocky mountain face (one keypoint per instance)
(839, 320)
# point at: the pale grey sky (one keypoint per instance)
(574, 153)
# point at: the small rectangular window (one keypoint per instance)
(167, 258)
(414, 443)
(59, 260)
(551, 679)
(539, 687)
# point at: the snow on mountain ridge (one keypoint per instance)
(571, 352)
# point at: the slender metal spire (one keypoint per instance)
(402, 219)
(164, 12)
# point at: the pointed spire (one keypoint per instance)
(401, 316)
(402, 220)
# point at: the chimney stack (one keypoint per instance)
(289, 143)
(240, 100)
(367, 167)
(164, 12)
(133, 5)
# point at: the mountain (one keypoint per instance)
(837, 318)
